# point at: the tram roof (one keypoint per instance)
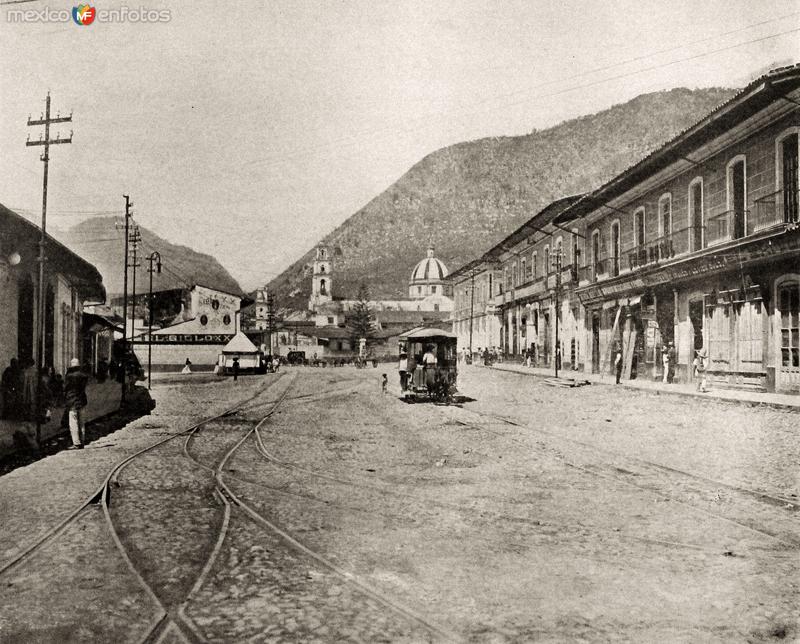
(427, 332)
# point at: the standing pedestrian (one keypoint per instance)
(700, 370)
(618, 364)
(187, 368)
(384, 382)
(29, 379)
(12, 390)
(429, 363)
(672, 357)
(665, 363)
(235, 368)
(402, 369)
(75, 400)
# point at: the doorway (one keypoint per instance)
(25, 293)
(595, 343)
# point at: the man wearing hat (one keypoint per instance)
(700, 369)
(75, 400)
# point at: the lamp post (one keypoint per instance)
(155, 256)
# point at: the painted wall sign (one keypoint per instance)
(187, 338)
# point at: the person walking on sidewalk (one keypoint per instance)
(75, 400)
(618, 364)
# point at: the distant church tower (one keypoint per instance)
(321, 281)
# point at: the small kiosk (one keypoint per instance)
(250, 357)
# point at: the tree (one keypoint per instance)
(361, 322)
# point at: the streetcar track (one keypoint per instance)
(157, 628)
(346, 576)
(793, 543)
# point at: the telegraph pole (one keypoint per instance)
(40, 343)
(557, 266)
(471, 308)
(155, 256)
(124, 365)
(136, 237)
(270, 318)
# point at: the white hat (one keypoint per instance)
(74, 363)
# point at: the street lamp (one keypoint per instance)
(155, 256)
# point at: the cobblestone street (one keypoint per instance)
(527, 513)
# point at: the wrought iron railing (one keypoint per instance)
(594, 271)
(779, 207)
(726, 226)
(664, 248)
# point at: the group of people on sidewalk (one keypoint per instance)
(669, 359)
(19, 392)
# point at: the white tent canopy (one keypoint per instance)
(240, 344)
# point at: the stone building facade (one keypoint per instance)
(697, 244)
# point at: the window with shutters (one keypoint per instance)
(789, 302)
(719, 336)
(749, 336)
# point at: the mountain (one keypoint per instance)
(100, 242)
(466, 197)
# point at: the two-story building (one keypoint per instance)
(699, 244)
(696, 244)
(474, 317)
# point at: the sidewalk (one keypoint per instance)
(104, 398)
(786, 401)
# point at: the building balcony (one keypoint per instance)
(726, 226)
(665, 247)
(775, 209)
(598, 270)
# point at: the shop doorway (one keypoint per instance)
(595, 343)
(696, 320)
(25, 295)
(547, 342)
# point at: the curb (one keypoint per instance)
(682, 394)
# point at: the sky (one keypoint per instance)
(249, 130)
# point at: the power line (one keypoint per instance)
(273, 160)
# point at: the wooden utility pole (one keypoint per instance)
(471, 310)
(41, 328)
(557, 266)
(155, 256)
(124, 364)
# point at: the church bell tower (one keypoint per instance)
(322, 279)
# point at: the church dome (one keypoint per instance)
(429, 270)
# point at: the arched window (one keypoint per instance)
(546, 256)
(596, 267)
(322, 288)
(523, 271)
(665, 246)
(787, 181)
(615, 248)
(534, 259)
(735, 226)
(696, 218)
(576, 251)
(322, 268)
(639, 232)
